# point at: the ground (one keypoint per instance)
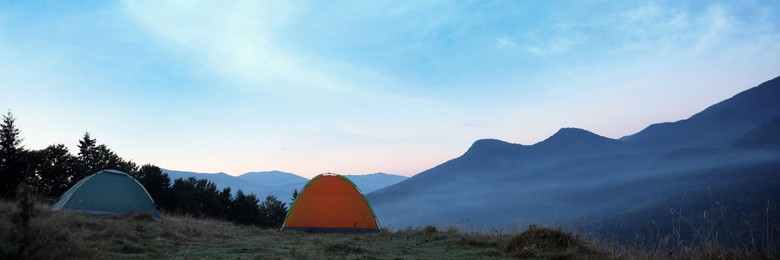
(67, 235)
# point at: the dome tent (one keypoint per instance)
(330, 203)
(108, 192)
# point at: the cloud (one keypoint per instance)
(235, 39)
(504, 42)
(716, 25)
(555, 45)
(642, 13)
(673, 30)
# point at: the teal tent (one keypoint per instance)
(108, 192)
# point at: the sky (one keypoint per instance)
(357, 87)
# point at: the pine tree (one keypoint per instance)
(11, 172)
(157, 183)
(225, 198)
(87, 156)
(244, 210)
(94, 157)
(294, 196)
(56, 169)
(274, 210)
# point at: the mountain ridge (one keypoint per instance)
(577, 178)
(755, 105)
(281, 184)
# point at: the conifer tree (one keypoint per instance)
(157, 183)
(294, 196)
(274, 210)
(244, 210)
(56, 170)
(11, 172)
(225, 198)
(87, 156)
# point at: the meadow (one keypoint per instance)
(31, 231)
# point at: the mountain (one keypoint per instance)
(281, 184)
(717, 125)
(371, 182)
(262, 184)
(762, 137)
(221, 179)
(578, 179)
(220, 176)
(273, 178)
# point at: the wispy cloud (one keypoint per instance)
(236, 39)
(715, 25)
(550, 46)
(505, 42)
(654, 28)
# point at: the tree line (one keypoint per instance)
(51, 171)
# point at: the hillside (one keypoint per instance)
(718, 124)
(67, 235)
(371, 182)
(581, 180)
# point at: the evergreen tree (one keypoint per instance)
(88, 160)
(182, 200)
(94, 157)
(107, 159)
(197, 197)
(55, 169)
(225, 199)
(244, 210)
(274, 210)
(11, 168)
(294, 196)
(157, 183)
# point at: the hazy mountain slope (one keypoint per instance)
(716, 125)
(762, 137)
(222, 180)
(272, 178)
(575, 177)
(510, 179)
(282, 191)
(371, 182)
(281, 184)
(730, 211)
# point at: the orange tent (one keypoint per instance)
(331, 203)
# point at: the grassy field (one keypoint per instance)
(37, 233)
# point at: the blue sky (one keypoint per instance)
(358, 87)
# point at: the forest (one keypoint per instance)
(49, 172)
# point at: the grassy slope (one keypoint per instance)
(64, 235)
(70, 235)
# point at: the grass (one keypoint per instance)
(64, 235)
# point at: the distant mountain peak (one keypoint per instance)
(579, 140)
(272, 177)
(571, 134)
(483, 146)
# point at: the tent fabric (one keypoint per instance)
(331, 203)
(108, 192)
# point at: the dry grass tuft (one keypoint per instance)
(550, 243)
